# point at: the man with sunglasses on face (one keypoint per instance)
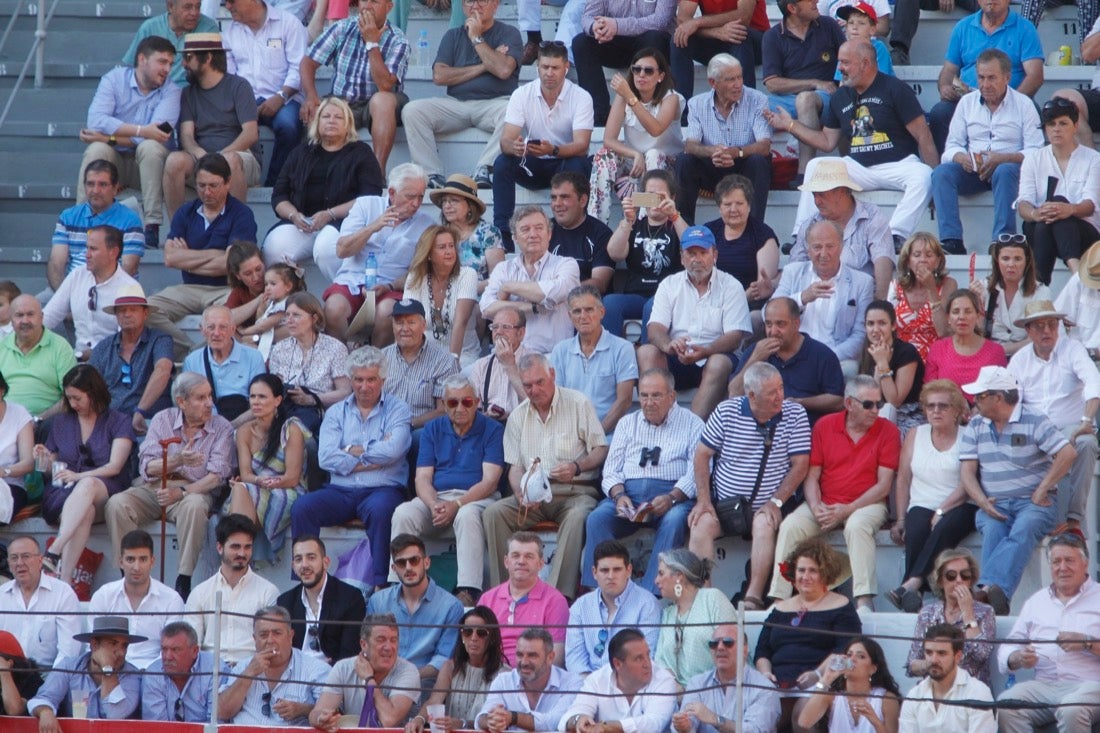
(429, 614)
(710, 701)
(854, 455)
(458, 472)
(320, 602)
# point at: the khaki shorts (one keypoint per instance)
(249, 163)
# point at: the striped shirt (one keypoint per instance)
(570, 431)
(744, 125)
(677, 437)
(420, 381)
(1015, 461)
(734, 433)
(342, 46)
(74, 222)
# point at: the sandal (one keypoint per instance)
(50, 564)
(752, 603)
(895, 596)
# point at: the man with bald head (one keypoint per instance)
(34, 360)
(228, 365)
(879, 121)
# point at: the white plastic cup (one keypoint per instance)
(436, 711)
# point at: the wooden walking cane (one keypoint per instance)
(164, 485)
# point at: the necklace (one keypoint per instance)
(441, 319)
(805, 608)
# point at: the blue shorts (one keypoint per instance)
(786, 101)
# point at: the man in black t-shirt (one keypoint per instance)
(877, 119)
(576, 234)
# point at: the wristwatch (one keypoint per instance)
(112, 141)
(476, 40)
(777, 501)
(370, 45)
(554, 152)
(971, 624)
(939, 512)
(283, 95)
(720, 722)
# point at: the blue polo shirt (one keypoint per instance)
(612, 361)
(234, 374)
(813, 370)
(790, 57)
(74, 222)
(234, 222)
(429, 635)
(457, 459)
(1017, 37)
(127, 389)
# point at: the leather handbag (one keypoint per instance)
(736, 513)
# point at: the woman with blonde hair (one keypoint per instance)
(447, 290)
(918, 291)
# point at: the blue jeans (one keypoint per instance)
(618, 307)
(949, 181)
(288, 132)
(939, 122)
(604, 524)
(1007, 545)
(333, 505)
(507, 173)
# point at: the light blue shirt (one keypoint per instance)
(557, 696)
(1017, 37)
(635, 609)
(385, 435)
(158, 26)
(118, 101)
(231, 376)
(59, 685)
(159, 694)
(301, 681)
(430, 633)
(612, 362)
(760, 711)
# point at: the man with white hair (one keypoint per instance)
(726, 133)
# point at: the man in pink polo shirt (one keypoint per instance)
(854, 455)
(524, 600)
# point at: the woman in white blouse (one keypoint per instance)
(1011, 286)
(1060, 192)
(647, 112)
(447, 290)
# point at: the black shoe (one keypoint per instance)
(899, 55)
(787, 247)
(530, 53)
(482, 177)
(797, 181)
(998, 599)
(436, 181)
(899, 242)
(183, 586)
(953, 246)
(152, 236)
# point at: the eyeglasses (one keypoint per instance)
(953, 575)
(1068, 538)
(179, 710)
(127, 374)
(412, 562)
(93, 298)
(601, 643)
(871, 404)
(503, 327)
(643, 70)
(937, 406)
(314, 640)
(266, 709)
(476, 2)
(22, 557)
(469, 631)
(651, 456)
(453, 402)
(726, 641)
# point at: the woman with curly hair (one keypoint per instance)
(918, 291)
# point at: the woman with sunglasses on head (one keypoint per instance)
(94, 443)
(960, 356)
(918, 292)
(687, 623)
(448, 291)
(932, 507)
(1059, 198)
(856, 691)
(271, 453)
(788, 651)
(952, 581)
(464, 679)
(647, 112)
(1011, 286)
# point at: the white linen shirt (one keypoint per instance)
(44, 626)
(1060, 386)
(556, 276)
(527, 108)
(1012, 128)
(1080, 181)
(268, 59)
(507, 690)
(1042, 617)
(251, 594)
(920, 713)
(162, 604)
(1081, 304)
(72, 298)
(393, 247)
(649, 712)
(703, 318)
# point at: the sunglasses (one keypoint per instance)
(953, 575)
(178, 712)
(314, 641)
(266, 709)
(127, 374)
(937, 406)
(1011, 239)
(469, 631)
(643, 70)
(547, 45)
(601, 645)
(725, 641)
(871, 404)
(454, 402)
(93, 298)
(412, 562)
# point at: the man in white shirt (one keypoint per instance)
(41, 612)
(923, 712)
(628, 691)
(148, 603)
(534, 694)
(1066, 672)
(1060, 381)
(86, 290)
(265, 47)
(243, 592)
(991, 130)
(536, 282)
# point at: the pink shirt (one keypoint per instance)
(543, 607)
(944, 362)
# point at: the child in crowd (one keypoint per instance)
(859, 25)
(280, 280)
(9, 291)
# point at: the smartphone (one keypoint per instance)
(165, 127)
(534, 142)
(646, 200)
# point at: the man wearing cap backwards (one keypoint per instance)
(217, 115)
(993, 126)
(136, 361)
(86, 290)
(868, 245)
(1080, 301)
(699, 318)
(416, 364)
(878, 119)
(1063, 384)
(1012, 460)
(100, 680)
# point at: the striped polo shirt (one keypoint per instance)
(1012, 462)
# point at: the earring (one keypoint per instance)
(678, 589)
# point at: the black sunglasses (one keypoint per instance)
(93, 298)
(266, 709)
(481, 631)
(314, 642)
(869, 404)
(727, 641)
(179, 710)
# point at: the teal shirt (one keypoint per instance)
(158, 26)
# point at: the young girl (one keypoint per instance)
(280, 280)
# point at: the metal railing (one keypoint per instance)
(37, 51)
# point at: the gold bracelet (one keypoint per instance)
(791, 126)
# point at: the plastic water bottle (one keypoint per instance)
(423, 51)
(1010, 680)
(370, 272)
